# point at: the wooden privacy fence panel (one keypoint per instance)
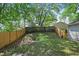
(4, 39)
(20, 33)
(9, 37)
(61, 33)
(13, 37)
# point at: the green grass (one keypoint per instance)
(47, 44)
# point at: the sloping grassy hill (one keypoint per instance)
(46, 44)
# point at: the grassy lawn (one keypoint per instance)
(48, 44)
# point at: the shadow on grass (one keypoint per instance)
(48, 44)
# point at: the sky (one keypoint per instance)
(62, 8)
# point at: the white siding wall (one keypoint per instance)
(73, 32)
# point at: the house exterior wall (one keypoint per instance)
(73, 32)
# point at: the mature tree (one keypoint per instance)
(33, 14)
(39, 14)
(71, 11)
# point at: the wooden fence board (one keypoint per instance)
(4, 39)
(13, 36)
(18, 33)
(9, 37)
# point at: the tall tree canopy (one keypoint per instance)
(18, 15)
(11, 15)
(70, 11)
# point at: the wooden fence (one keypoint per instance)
(61, 33)
(9, 37)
